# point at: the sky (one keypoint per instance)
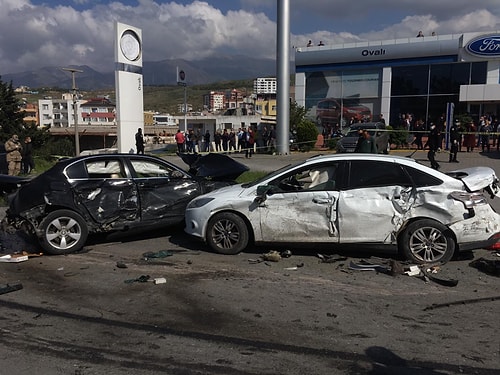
(40, 33)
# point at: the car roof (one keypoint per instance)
(362, 156)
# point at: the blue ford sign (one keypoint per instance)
(488, 46)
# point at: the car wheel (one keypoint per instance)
(227, 233)
(64, 232)
(427, 241)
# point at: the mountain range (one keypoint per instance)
(159, 73)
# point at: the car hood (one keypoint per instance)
(213, 166)
(478, 178)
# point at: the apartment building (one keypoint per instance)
(264, 86)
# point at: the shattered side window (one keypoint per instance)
(111, 168)
(145, 169)
(370, 173)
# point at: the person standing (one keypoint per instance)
(28, 165)
(454, 141)
(206, 141)
(225, 140)
(250, 141)
(433, 142)
(232, 141)
(139, 141)
(470, 137)
(14, 157)
(484, 135)
(366, 144)
(217, 141)
(179, 140)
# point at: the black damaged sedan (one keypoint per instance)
(112, 192)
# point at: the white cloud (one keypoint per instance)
(36, 36)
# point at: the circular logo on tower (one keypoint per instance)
(485, 46)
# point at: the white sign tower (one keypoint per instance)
(128, 85)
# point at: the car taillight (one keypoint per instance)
(496, 245)
(469, 199)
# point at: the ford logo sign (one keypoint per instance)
(488, 46)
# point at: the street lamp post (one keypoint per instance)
(75, 110)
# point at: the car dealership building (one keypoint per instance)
(419, 75)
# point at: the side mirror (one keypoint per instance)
(262, 191)
(177, 174)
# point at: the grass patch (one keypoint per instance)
(250, 176)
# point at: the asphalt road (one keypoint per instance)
(94, 312)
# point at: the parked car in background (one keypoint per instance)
(112, 192)
(360, 201)
(377, 131)
(331, 111)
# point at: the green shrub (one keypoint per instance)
(398, 136)
(307, 135)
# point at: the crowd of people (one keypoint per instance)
(247, 140)
(483, 135)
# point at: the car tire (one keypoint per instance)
(63, 232)
(227, 233)
(427, 241)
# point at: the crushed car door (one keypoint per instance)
(164, 191)
(106, 192)
(301, 207)
(375, 202)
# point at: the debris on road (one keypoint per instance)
(272, 256)
(147, 278)
(7, 288)
(159, 254)
(331, 258)
(121, 264)
(15, 258)
(491, 267)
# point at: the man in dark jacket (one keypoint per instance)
(454, 141)
(366, 144)
(28, 164)
(433, 142)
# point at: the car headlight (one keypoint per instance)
(199, 202)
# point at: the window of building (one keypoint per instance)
(410, 80)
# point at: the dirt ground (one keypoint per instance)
(98, 312)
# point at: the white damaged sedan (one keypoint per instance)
(377, 202)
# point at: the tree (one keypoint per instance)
(11, 117)
(304, 131)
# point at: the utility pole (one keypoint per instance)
(75, 110)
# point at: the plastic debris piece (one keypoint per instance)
(368, 267)
(272, 256)
(7, 288)
(286, 254)
(140, 279)
(413, 271)
(160, 280)
(158, 254)
(331, 258)
(14, 258)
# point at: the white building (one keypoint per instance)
(264, 86)
(59, 113)
(421, 76)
